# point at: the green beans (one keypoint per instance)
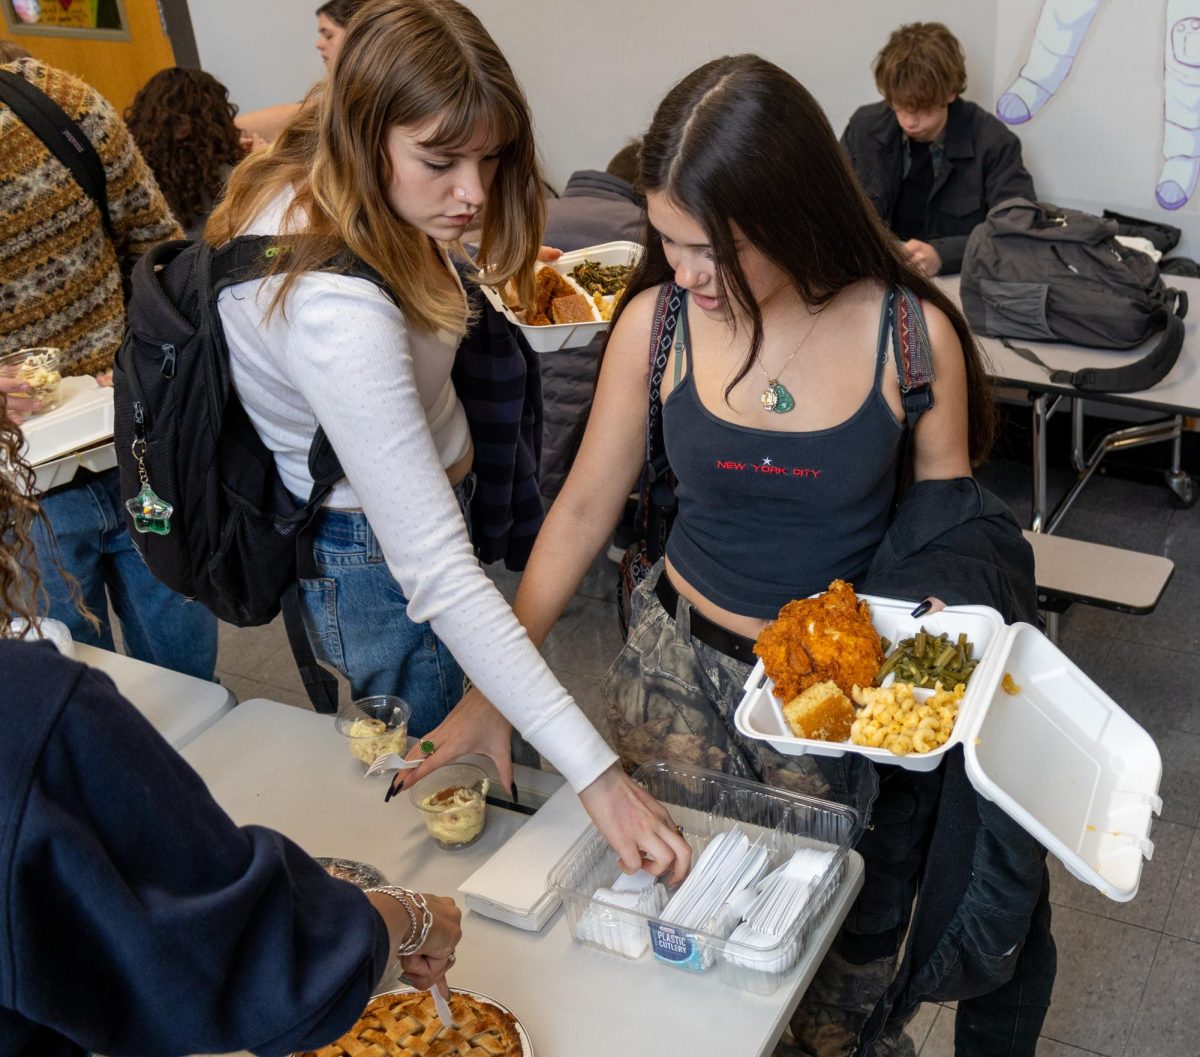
(926, 659)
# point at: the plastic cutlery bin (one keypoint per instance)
(705, 803)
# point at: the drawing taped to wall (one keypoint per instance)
(1061, 29)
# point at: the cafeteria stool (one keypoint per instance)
(1070, 570)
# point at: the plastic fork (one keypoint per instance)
(391, 761)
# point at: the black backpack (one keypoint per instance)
(208, 511)
(1041, 272)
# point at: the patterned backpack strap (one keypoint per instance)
(662, 336)
(913, 353)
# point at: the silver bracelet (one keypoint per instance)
(426, 924)
(415, 938)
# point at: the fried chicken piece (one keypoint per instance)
(826, 638)
(547, 285)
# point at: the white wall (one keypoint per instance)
(595, 71)
(1098, 143)
(263, 51)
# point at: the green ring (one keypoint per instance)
(427, 747)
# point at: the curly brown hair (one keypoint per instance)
(21, 593)
(182, 121)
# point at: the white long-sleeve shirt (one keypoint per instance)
(343, 355)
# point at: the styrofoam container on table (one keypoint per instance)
(556, 336)
(1059, 756)
(82, 420)
(704, 803)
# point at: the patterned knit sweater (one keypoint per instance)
(60, 276)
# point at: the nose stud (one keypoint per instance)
(462, 192)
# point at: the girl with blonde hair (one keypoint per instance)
(420, 127)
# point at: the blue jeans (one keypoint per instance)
(158, 625)
(357, 621)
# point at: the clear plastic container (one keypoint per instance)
(705, 803)
(453, 802)
(38, 368)
(374, 726)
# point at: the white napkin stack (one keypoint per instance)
(511, 885)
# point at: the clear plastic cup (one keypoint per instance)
(39, 369)
(375, 726)
(452, 803)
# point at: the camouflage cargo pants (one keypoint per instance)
(672, 697)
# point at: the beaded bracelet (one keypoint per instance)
(417, 934)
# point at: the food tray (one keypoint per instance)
(705, 803)
(760, 715)
(1056, 753)
(82, 420)
(558, 336)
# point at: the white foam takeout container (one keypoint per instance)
(1060, 756)
(558, 336)
(81, 422)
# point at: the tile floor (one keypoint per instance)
(1129, 973)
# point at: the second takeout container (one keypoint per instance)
(83, 418)
(705, 803)
(557, 336)
(1059, 756)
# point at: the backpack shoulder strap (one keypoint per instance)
(667, 308)
(913, 353)
(62, 137)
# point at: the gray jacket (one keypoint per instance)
(595, 207)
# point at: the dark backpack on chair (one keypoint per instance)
(1040, 272)
(235, 540)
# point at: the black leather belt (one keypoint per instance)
(720, 639)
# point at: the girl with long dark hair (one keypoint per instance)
(792, 442)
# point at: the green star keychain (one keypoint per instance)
(150, 512)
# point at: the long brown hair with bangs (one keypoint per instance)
(740, 141)
(402, 63)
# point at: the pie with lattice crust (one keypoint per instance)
(407, 1025)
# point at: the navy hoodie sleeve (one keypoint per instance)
(136, 917)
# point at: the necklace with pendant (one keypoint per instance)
(775, 397)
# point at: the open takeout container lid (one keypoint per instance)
(1066, 762)
(1058, 755)
(556, 336)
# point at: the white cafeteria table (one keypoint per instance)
(281, 766)
(178, 706)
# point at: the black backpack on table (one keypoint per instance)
(208, 511)
(1041, 272)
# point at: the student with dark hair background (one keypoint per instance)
(182, 120)
(931, 162)
(332, 19)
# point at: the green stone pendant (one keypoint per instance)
(150, 513)
(784, 401)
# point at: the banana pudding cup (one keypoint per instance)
(452, 803)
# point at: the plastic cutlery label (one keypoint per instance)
(675, 946)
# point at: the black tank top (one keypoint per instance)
(765, 517)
